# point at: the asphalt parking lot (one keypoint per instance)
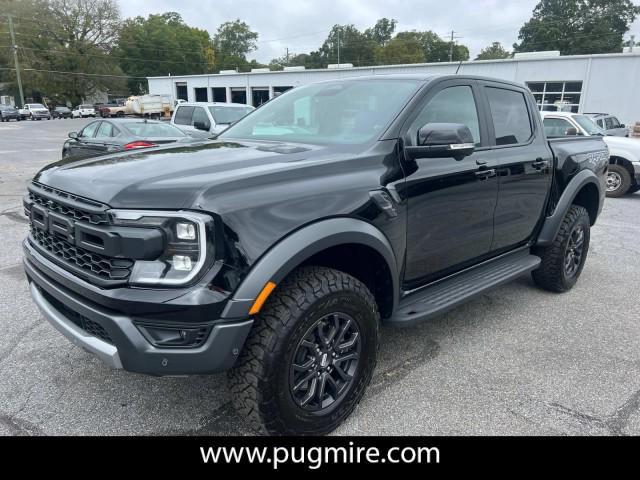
(516, 361)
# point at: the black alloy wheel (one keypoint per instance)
(574, 251)
(325, 362)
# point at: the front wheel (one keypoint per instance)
(563, 260)
(618, 181)
(310, 355)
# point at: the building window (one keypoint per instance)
(238, 95)
(201, 94)
(280, 90)
(219, 94)
(557, 96)
(259, 96)
(181, 91)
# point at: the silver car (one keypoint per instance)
(610, 124)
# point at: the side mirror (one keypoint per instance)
(622, 125)
(571, 132)
(201, 126)
(73, 135)
(441, 140)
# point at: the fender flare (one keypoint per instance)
(552, 223)
(294, 249)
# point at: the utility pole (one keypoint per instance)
(451, 47)
(338, 47)
(632, 43)
(15, 59)
(287, 56)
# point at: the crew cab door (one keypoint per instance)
(450, 201)
(525, 163)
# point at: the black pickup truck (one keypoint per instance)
(277, 249)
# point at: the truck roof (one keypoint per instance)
(426, 78)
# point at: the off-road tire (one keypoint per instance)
(552, 275)
(625, 180)
(260, 381)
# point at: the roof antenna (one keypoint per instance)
(459, 65)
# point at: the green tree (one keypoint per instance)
(400, 50)
(577, 26)
(232, 42)
(435, 49)
(160, 45)
(355, 47)
(382, 31)
(495, 51)
(57, 36)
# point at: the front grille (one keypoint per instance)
(104, 267)
(100, 269)
(74, 213)
(89, 326)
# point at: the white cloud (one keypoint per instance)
(302, 25)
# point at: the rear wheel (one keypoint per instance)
(120, 114)
(563, 260)
(618, 180)
(310, 355)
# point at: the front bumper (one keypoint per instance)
(122, 345)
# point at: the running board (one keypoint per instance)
(452, 291)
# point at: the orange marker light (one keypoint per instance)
(264, 294)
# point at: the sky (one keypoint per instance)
(302, 25)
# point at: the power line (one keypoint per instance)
(74, 73)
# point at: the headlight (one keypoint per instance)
(185, 247)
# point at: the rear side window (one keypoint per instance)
(183, 116)
(510, 116)
(106, 130)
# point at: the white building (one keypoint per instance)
(608, 83)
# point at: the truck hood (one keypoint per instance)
(622, 142)
(171, 177)
(628, 148)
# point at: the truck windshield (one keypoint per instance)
(589, 125)
(341, 112)
(228, 115)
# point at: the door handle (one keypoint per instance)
(486, 173)
(539, 163)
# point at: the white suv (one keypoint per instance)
(624, 153)
(200, 119)
(83, 111)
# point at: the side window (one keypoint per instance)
(609, 123)
(556, 127)
(450, 105)
(184, 115)
(89, 130)
(510, 116)
(200, 115)
(105, 130)
(600, 124)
